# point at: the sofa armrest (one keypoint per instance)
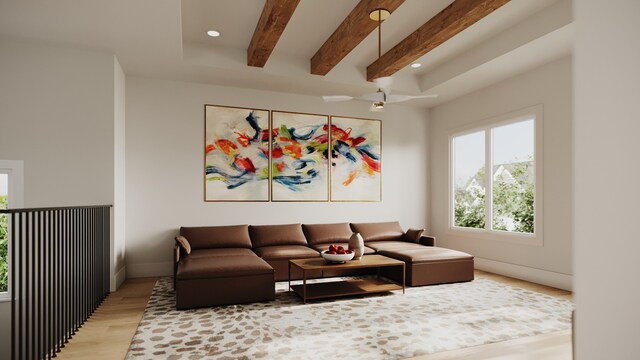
(176, 254)
(176, 260)
(428, 240)
(184, 245)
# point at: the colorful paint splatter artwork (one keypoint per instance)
(356, 147)
(236, 154)
(299, 165)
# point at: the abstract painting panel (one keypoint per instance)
(299, 165)
(236, 154)
(356, 147)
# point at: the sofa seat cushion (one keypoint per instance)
(221, 266)
(286, 252)
(221, 252)
(323, 247)
(426, 254)
(327, 233)
(207, 237)
(380, 231)
(394, 245)
(273, 235)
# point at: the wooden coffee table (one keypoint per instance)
(344, 287)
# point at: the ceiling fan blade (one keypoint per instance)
(332, 98)
(401, 98)
(384, 83)
(376, 96)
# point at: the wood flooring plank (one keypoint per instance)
(554, 346)
(108, 333)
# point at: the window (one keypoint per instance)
(11, 195)
(496, 188)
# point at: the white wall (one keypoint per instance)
(606, 192)
(119, 180)
(5, 330)
(165, 181)
(56, 114)
(62, 111)
(549, 85)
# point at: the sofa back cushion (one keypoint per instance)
(327, 233)
(271, 235)
(380, 231)
(211, 237)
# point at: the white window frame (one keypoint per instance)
(15, 170)
(534, 112)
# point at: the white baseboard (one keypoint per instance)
(538, 276)
(121, 275)
(150, 269)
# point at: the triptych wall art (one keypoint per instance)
(262, 155)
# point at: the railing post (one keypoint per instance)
(38, 299)
(13, 284)
(19, 280)
(28, 280)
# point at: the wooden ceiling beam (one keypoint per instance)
(274, 19)
(353, 29)
(446, 24)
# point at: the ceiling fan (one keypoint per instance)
(379, 98)
(383, 95)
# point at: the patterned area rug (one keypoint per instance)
(425, 320)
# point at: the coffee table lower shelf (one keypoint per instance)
(344, 288)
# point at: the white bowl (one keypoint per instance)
(337, 257)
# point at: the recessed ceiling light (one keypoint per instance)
(416, 65)
(213, 33)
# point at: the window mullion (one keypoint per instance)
(452, 183)
(488, 188)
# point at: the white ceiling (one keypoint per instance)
(166, 39)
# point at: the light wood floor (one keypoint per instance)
(107, 334)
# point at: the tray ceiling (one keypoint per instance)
(167, 39)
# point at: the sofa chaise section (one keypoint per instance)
(426, 264)
(216, 266)
(205, 281)
(432, 265)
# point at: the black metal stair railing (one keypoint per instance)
(59, 274)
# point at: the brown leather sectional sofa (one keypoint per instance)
(220, 265)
